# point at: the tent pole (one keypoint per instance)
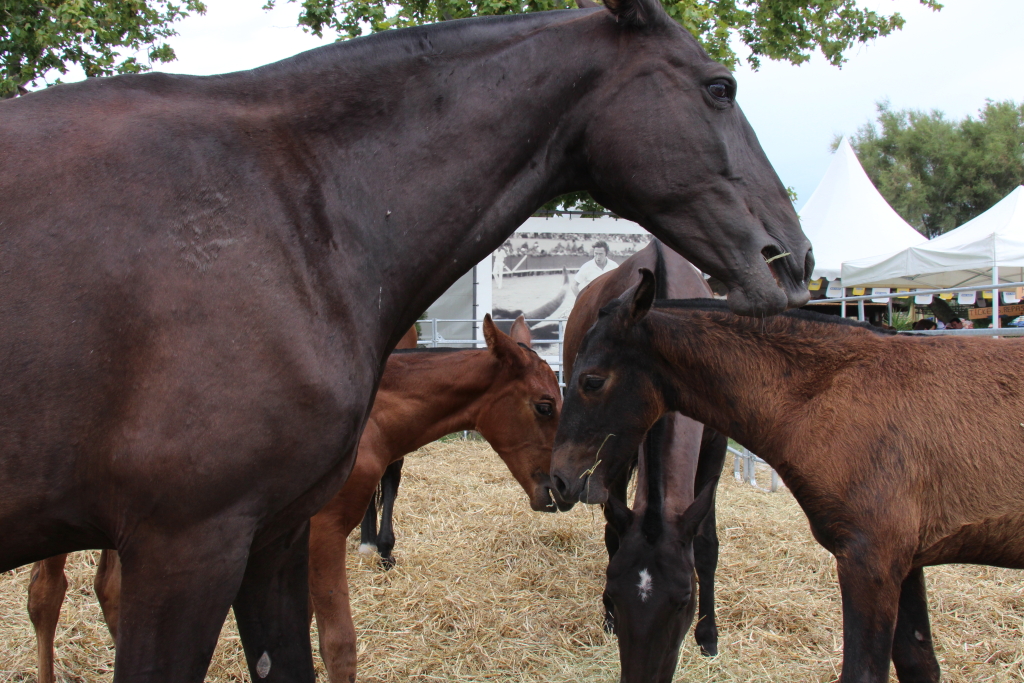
(842, 312)
(995, 297)
(860, 310)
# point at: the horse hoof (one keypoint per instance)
(387, 563)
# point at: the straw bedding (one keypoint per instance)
(486, 590)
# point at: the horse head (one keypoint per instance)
(667, 146)
(611, 400)
(519, 413)
(650, 583)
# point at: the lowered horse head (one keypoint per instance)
(609, 407)
(668, 147)
(650, 580)
(519, 413)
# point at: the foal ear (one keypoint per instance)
(640, 298)
(618, 515)
(520, 332)
(636, 13)
(690, 521)
(500, 344)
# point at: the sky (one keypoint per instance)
(951, 60)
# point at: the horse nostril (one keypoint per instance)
(559, 486)
(808, 264)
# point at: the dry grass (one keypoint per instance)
(486, 590)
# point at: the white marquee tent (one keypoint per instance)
(846, 218)
(986, 247)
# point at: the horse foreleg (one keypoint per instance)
(176, 589)
(368, 529)
(328, 589)
(871, 595)
(388, 493)
(705, 545)
(618, 490)
(913, 652)
(272, 609)
(107, 585)
(46, 590)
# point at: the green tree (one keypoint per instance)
(37, 36)
(938, 173)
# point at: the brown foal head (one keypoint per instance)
(519, 413)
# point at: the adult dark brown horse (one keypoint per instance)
(203, 277)
(689, 457)
(847, 415)
(506, 392)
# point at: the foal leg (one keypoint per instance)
(328, 590)
(913, 651)
(368, 529)
(107, 585)
(705, 544)
(272, 609)
(617, 490)
(388, 493)
(176, 591)
(871, 595)
(46, 591)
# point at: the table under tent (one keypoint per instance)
(985, 251)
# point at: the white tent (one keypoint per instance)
(990, 245)
(847, 219)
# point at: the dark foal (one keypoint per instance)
(203, 278)
(847, 415)
(692, 456)
(506, 392)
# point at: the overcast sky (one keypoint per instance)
(951, 60)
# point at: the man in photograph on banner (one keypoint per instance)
(593, 268)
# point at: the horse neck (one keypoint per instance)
(678, 444)
(752, 385)
(477, 109)
(425, 395)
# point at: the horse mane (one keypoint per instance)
(768, 324)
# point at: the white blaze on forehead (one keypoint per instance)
(646, 586)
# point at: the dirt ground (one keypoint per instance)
(486, 590)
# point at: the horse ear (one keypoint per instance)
(500, 344)
(642, 296)
(520, 332)
(690, 521)
(618, 515)
(636, 13)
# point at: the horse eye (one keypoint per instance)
(545, 409)
(593, 382)
(720, 91)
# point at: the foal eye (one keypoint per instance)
(593, 382)
(545, 409)
(719, 90)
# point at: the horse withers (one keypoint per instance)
(689, 457)
(847, 414)
(204, 276)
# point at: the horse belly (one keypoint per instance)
(996, 541)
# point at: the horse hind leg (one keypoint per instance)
(913, 652)
(388, 493)
(368, 528)
(705, 544)
(46, 591)
(107, 585)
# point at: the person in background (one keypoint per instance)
(955, 324)
(925, 324)
(593, 268)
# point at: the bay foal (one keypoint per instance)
(506, 392)
(903, 452)
(689, 457)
